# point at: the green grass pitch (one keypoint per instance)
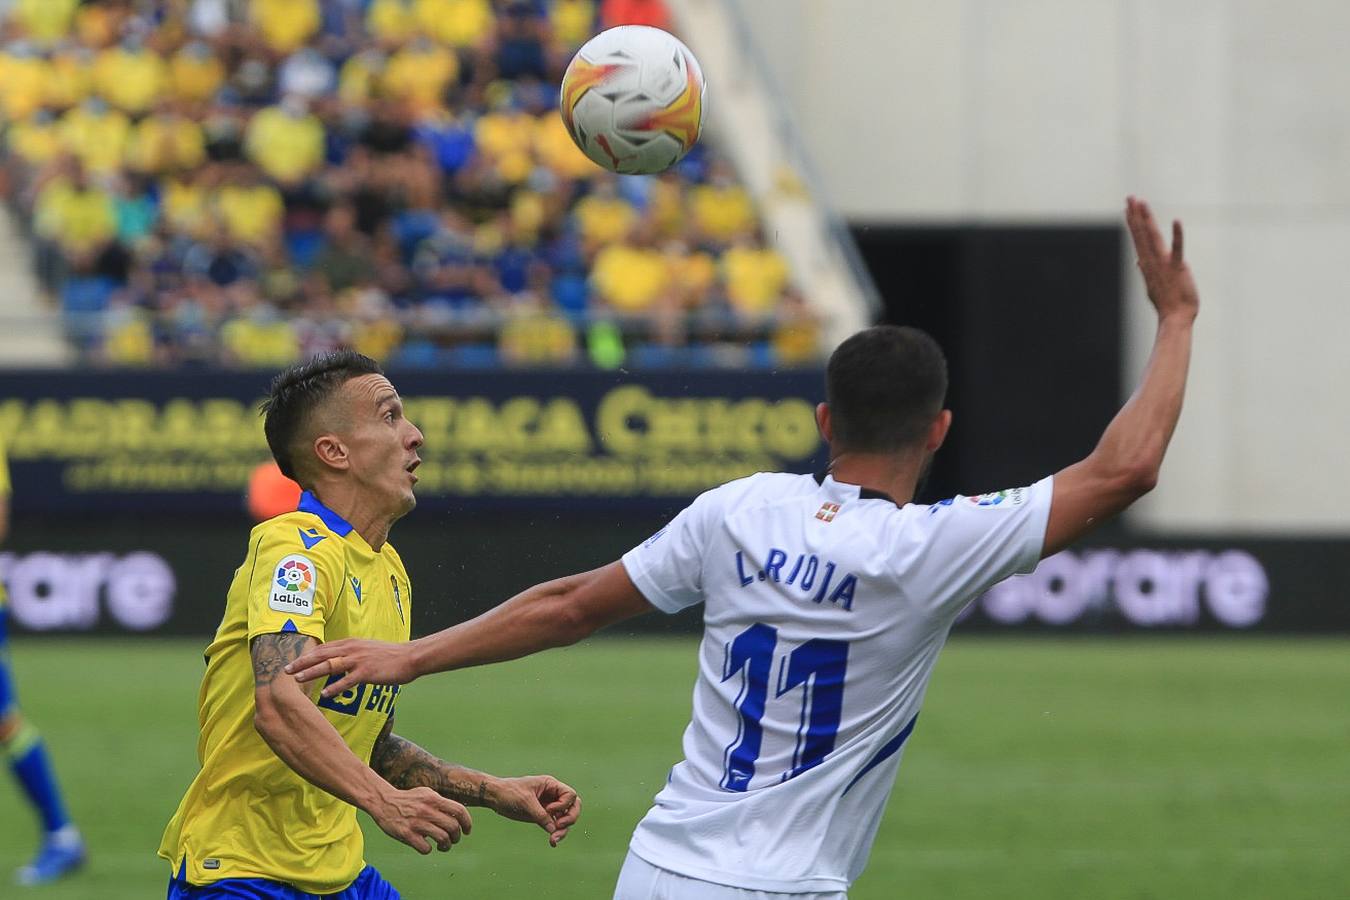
(1138, 768)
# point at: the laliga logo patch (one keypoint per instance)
(293, 586)
(1014, 497)
(294, 575)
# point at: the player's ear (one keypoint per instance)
(937, 432)
(823, 421)
(331, 451)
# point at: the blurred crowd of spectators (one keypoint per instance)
(254, 181)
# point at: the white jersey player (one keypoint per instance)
(826, 601)
(825, 606)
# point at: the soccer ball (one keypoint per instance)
(632, 98)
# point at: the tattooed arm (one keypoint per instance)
(287, 719)
(540, 799)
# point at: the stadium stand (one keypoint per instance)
(248, 182)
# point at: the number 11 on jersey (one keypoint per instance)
(817, 667)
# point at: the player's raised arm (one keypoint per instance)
(552, 614)
(287, 719)
(1125, 464)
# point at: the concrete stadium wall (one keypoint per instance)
(1233, 115)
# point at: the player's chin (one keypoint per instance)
(407, 500)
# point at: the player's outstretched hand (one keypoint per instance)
(1171, 288)
(541, 799)
(364, 662)
(422, 819)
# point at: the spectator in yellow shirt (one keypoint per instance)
(420, 74)
(376, 331)
(755, 276)
(796, 339)
(23, 82)
(360, 76)
(261, 338)
(130, 76)
(692, 273)
(286, 141)
(78, 217)
(391, 22)
(556, 149)
(505, 136)
(630, 278)
(721, 209)
(96, 135)
(603, 217)
(285, 25)
(573, 21)
(166, 141)
(250, 209)
(70, 77)
(183, 205)
(195, 72)
(129, 340)
(665, 205)
(100, 24)
(457, 23)
(506, 128)
(35, 140)
(45, 21)
(128, 337)
(534, 337)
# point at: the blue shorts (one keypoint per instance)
(369, 885)
(9, 701)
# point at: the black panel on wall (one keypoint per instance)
(1030, 318)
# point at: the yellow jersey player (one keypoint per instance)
(272, 813)
(62, 849)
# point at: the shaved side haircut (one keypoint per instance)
(297, 394)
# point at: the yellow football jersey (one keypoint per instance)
(247, 814)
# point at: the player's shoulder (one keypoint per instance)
(298, 532)
(1004, 501)
(958, 518)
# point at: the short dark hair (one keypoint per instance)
(301, 389)
(885, 385)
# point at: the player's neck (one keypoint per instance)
(359, 512)
(375, 532)
(893, 475)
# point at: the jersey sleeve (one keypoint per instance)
(976, 542)
(294, 587)
(667, 568)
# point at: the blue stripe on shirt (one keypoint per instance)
(892, 747)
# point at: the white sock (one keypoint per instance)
(65, 836)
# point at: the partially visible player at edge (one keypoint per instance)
(272, 813)
(826, 602)
(62, 849)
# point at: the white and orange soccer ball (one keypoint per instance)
(632, 98)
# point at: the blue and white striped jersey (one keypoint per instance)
(825, 607)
